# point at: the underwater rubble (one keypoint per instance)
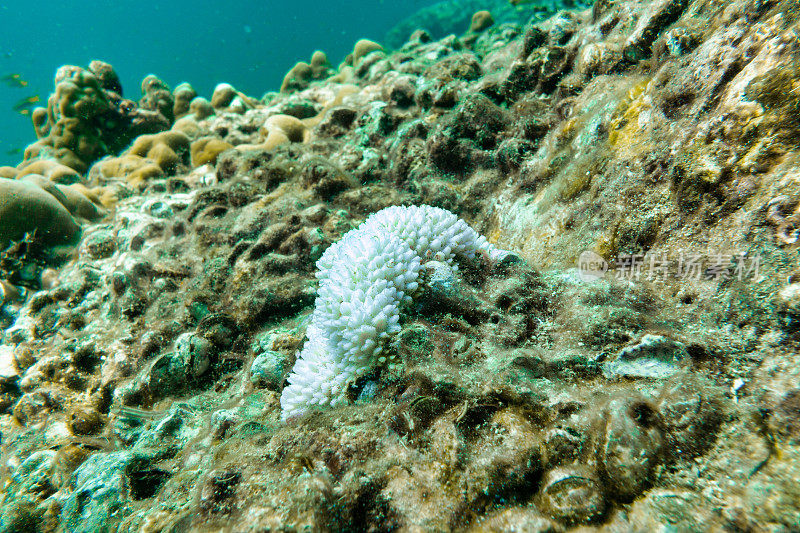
(631, 365)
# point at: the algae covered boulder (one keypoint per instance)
(26, 208)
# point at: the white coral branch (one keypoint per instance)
(364, 280)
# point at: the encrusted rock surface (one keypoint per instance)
(632, 366)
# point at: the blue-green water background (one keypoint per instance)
(248, 44)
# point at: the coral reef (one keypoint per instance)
(631, 365)
(454, 17)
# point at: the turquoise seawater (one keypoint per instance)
(250, 45)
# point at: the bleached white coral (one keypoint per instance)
(364, 280)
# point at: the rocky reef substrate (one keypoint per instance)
(632, 366)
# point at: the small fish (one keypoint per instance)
(14, 151)
(25, 105)
(14, 80)
(519, 2)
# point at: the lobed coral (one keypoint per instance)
(87, 117)
(26, 208)
(365, 279)
(302, 74)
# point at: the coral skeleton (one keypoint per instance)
(365, 279)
